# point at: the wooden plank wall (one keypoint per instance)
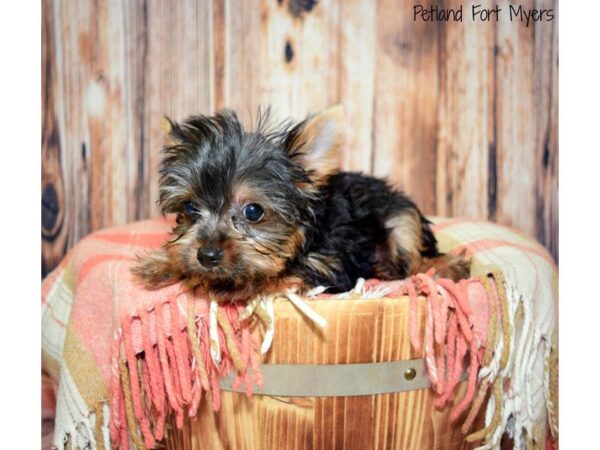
(462, 116)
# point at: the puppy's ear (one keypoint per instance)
(318, 142)
(169, 127)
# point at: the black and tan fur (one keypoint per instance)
(319, 226)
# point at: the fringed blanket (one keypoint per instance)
(124, 358)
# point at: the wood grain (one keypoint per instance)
(546, 143)
(356, 62)
(406, 101)
(462, 116)
(54, 222)
(358, 331)
(466, 140)
(515, 92)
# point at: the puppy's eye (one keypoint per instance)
(253, 212)
(190, 209)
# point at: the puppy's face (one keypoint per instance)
(242, 199)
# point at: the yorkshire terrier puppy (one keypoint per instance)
(263, 209)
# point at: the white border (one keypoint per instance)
(579, 168)
(20, 41)
(20, 125)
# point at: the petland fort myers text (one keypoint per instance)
(479, 13)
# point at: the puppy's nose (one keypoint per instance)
(210, 256)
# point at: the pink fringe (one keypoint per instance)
(157, 387)
(116, 399)
(451, 337)
(140, 413)
(254, 362)
(164, 375)
(181, 353)
(123, 436)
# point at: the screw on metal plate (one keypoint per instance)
(410, 374)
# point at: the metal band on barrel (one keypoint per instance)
(338, 380)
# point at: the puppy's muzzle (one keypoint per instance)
(210, 256)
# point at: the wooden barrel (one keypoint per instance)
(358, 331)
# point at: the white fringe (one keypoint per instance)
(267, 304)
(215, 346)
(305, 309)
(106, 426)
(250, 307)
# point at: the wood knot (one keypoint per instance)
(546, 155)
(50, 209)
(288, 52)
(299, 7)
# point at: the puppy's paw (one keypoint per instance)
(454, 267)
(156, 270)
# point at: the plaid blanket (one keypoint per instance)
(108, 344)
